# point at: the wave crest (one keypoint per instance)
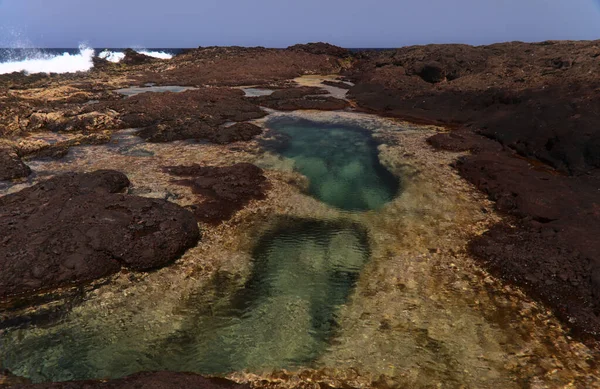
(39, 62)
(44, 63)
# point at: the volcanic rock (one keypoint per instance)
(322, 48)
(530, 114)
(291, 99)
(11, 166)
(234, 66)
(222, 191)
(132, 57)
(193, 114)
(78, 227)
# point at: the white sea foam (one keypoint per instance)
(39, 62)
(44, 63)
(112, 56)
(117, 56)
(157, 54)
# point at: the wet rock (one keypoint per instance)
(79, 227)
(222, 191)
(150, 380)
(337, 84)
(11, 165)
(193, 114)
(132, 57)
(235, 133)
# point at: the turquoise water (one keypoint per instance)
(341, 162)
(283, 316)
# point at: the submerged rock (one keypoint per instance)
(79, 227)
(151, 380)
(222, 190)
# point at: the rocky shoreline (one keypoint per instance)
(518, 121)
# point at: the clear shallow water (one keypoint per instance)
(283, 316)
(341, 162)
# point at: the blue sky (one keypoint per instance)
(279, 23)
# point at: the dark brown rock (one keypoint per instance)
(78, 227)
(234, 66)
(193, 114)
(322, 48)
(11, 166)
(235, 133)
(222, 191)
(146, 380)
(290, 99)
(432, 72)
(132, 57)
(530, 114)
(337, 84)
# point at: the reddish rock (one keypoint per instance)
(193, 114)
(234, 66)
(79, 227)
(222, 191)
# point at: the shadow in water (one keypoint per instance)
(283, 316)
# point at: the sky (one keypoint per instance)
(280, 23)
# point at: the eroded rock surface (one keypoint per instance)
(79, 227)
(222, 191)
(11, 165)
(529, 113)
(291, 99)
(193, 114)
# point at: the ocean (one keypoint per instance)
(63, 60)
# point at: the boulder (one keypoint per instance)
(11, 165)
(132, 57)
(78, 227)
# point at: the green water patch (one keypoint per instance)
(341, 161)
(282, 316)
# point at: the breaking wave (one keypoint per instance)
(37, 61)
(117, 56)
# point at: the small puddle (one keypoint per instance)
(282, 317)
(137, 90)
(341, 162)
(256, 92)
